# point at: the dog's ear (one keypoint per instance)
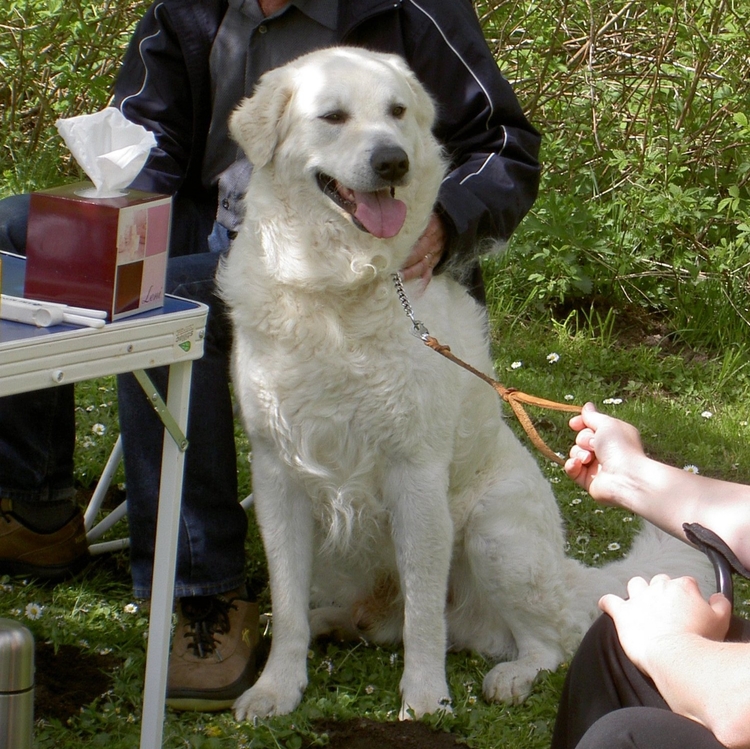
(255, 122)
(425, 111)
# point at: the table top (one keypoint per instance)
(33, 358)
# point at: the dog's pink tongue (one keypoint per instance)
(382, 215)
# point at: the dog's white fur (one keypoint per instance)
(392, 498)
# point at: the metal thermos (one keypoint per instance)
(16, 685)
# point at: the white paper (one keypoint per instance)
(108, 147)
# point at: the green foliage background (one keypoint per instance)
(644, 111)
(644, 108)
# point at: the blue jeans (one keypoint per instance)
(37, 438)
(213, 525)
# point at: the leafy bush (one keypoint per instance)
(644, 198)
(643, 108)
(58, 58)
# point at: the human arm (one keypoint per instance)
(608, 461)
(164, 85)
(492, 149)
(676, 638)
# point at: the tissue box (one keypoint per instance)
(103, 253)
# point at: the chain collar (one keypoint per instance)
(419, 329)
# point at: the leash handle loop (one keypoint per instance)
(513, 397)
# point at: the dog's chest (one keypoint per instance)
(336, 392)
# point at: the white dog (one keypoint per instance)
(392, 498)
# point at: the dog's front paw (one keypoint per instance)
(266, 699)
(509, 682)
(419, 699)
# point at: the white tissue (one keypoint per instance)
(108, 147)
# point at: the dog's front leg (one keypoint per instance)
(423, 537)
(285, 519)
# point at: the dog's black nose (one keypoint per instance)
(390, 162)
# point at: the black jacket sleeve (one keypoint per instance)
(493, 150)
(164, 85)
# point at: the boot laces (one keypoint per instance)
(206, 617)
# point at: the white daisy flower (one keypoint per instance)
(553, 358)
(99, 429)
(614, 546)
(34, 611)
(516, 365)
(570, 397)
(369, 689)
(130, 608)
(706, 414)
(612, 401)
(690, 468)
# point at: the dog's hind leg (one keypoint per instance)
(285, 519)
(521, 583)
(422, 534)
(376, 615)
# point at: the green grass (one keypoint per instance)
(667, 394)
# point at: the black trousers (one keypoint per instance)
(607, 703)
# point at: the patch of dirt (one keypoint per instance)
(369, 734)
(69, 679)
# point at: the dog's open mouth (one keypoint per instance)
(378, 213)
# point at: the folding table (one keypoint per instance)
(34, 358)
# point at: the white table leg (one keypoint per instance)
(165, 559)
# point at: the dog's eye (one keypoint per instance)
(336, 117)
(398, 111)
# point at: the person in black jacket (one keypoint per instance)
(188, 65)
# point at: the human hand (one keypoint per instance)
(658, 616)
(605, 448)
(427, 252)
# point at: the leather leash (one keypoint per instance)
(512, 396)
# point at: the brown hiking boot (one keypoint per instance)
(213, 652)
(48, 556)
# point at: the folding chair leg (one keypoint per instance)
(96, 531)
(95, 503)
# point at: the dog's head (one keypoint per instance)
(341, 140)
